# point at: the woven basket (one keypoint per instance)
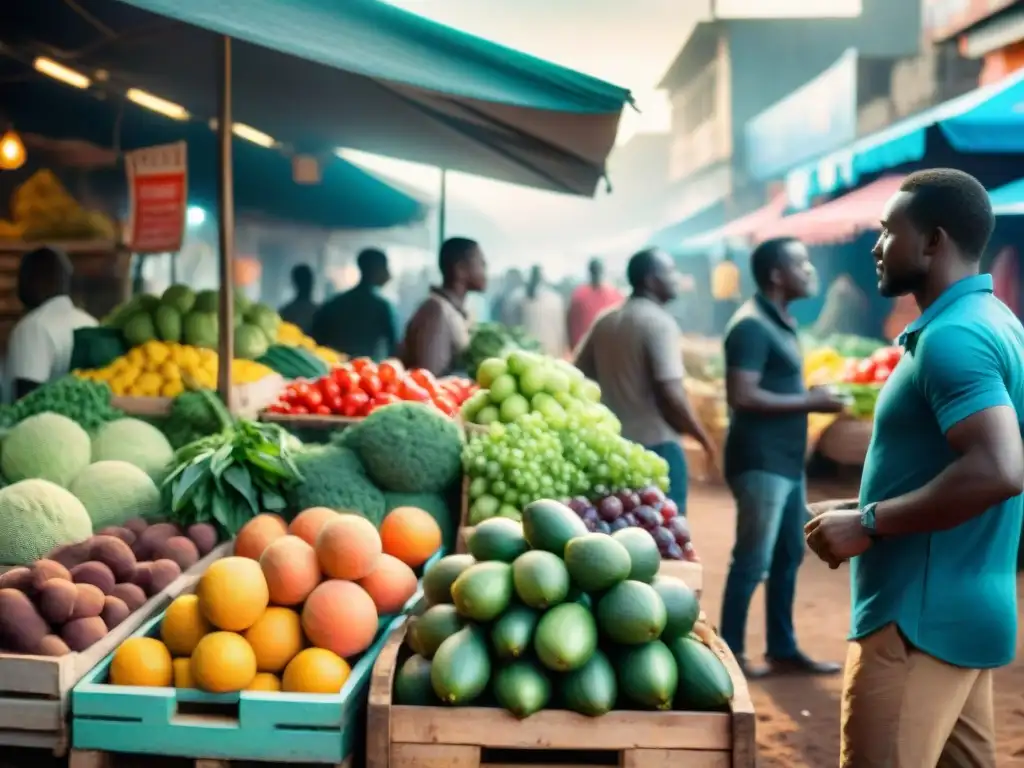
(846, 441)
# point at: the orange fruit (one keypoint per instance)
(275, 638)
(264, 681)
(183, 673)
(143, 661)
(391, 584)
(315, 670)
(223, 662)
(348, 547)
(341, 617)
(183, 625)
(233, 593)
(307, 524)
(411, 535)
(257, 534)
(290, 567)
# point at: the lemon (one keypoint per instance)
(136, 358)
(172, 389)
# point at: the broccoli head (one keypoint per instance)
(408, 448)
(335, 478)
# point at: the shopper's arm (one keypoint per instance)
(960, 374)
(664, 355)
(29, 359)
(583, 357)
(428, 342)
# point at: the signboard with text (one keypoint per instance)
(816, 118)
(945, 18)
(158, 197)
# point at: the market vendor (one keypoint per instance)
(633, 353)
(40, 346)
(765, 451)
(437, 335)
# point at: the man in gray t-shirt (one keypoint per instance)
(634, 353)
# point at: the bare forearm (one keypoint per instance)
(676, 411)
(965, 489)
(759, 400)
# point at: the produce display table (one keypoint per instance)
(446, 737)
(221, 728)
(308, 421)
(249, 399)
(35, 691)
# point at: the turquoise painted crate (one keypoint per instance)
(248, 725)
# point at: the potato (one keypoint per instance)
(131, 595)
(88, 603)
(179, 549)
(56, 601)
(114, 610)
(44, 570)
(164, 572)
(204, 536)
(21, 626)
(115, 554)
(81, 633)
(95, 573)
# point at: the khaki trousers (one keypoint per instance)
(905, 709)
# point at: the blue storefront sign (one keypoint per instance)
(818, 117)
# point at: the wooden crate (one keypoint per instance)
(249, 399)
(464, 737)
(692, 574)
(248, 725)
(35, 690)
(308, 421)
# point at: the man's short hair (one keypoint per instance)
(955, 201)
(642, 265)
(455, 251)
(767, 257)
(370, 259)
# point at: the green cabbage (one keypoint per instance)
(135, 442)
(114, 492)
(36, 516)
(46, 446)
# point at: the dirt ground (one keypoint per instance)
(798, 718)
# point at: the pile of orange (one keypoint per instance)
(290, 609)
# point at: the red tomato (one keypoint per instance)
(360, 364)
(410, 390)
(386, 398)
(446, 405)
(882, 373)
(298, 390)
(336, 404)
(369, 382)
(323, 410)
(346, 380)
(299, 410)
(388, 372)
(865, 371)
(425, 379)
(312, 398)
(329, 388)
(277, 408)
(354, 403)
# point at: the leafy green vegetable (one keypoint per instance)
(863, 398)
(193, 416)
(335, 478)
(232, 476)
(82, 401)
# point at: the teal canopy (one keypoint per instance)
(1008, 200)
(322, 74)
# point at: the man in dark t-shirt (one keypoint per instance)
(764, 453)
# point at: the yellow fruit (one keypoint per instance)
(315, 670)
(265, 681)
(183, 625)
(233, 593)
(172, 389)
(143, 661)
(156, 351)
(276, 638)
(136, 357)
(223, 662)
(149, 383)
(170, 371)
(183, 673)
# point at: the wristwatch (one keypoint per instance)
(867, 520)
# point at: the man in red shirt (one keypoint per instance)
(589, 301)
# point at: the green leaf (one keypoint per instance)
(187, 484)
(221, 460)
(273, 502)
(238, 477)
(223, 513)
(269, 464)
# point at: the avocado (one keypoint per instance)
(643, 553)
(631, 613)
(704, 682)
(566, 637)
(437, 581)
(591, 690)
(681, 606)
(648, 676)
(497, 539)
(540, 578)
(483, 591)
(433, 627)
(512, 633)
(597, 562)
(412, 684)
(522, 688)
(461, 668)
(549, 525)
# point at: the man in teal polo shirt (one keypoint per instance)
(932, 541)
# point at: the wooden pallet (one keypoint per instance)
(35, 691)
(692, 574)
(96, 759)
(479, 737)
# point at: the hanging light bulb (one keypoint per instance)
(12, 151)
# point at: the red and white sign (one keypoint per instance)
(158, 197)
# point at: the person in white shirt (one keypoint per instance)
(541, 313)
(40, 346)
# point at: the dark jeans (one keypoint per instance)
(770, 514)
(678, 479)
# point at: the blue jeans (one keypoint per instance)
(770, 514)
(678, 478)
